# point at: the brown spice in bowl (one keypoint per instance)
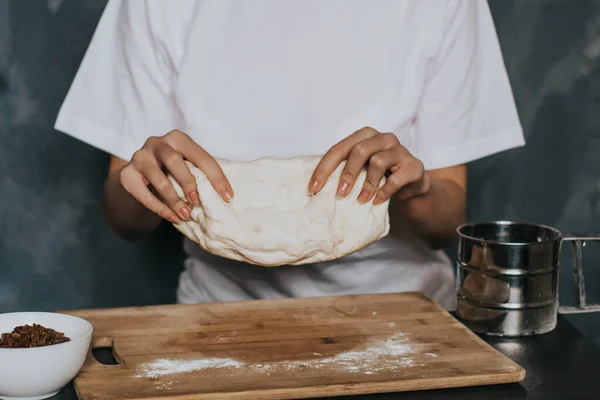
(31, 336)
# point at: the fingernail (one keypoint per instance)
(378, 200)
(364, 196)
(194, 197)
(174, 219)
(314, 186)
(226, 195)
(343, 189)
(185, 213)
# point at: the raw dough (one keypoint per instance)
(273, 220)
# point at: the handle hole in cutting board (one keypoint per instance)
(104, 355)
(103, 351)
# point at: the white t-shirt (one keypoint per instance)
(248, 79)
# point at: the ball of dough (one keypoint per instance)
(273, 220)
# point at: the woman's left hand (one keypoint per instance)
(383, 155)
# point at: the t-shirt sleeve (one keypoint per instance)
(467, 109)
(120, 94)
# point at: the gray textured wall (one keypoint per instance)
(55, 249)
(57, 252)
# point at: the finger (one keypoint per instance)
(379, 164)
(334, 157)
(414, 189)
(201, 159)
(411, 171)
(133, 183)
(175, 164)
(359, 156)
(149, 167)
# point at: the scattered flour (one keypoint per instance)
(390, 354)
(173, 366)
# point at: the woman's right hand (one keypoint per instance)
(159, 156)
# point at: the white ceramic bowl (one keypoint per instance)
(40, 372)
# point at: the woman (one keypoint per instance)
(415, 89)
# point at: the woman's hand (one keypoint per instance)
(159, 156)
(383, 155)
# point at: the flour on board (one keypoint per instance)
(173, 366)
(390, 354)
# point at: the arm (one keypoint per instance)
(435, 215)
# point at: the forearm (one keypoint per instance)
(126, 216)
(435, 216)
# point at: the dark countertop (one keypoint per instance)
(561, 365)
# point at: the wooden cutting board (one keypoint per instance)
(289, 348)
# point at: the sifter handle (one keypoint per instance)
(578, 241)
